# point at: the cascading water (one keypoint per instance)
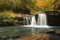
(40, 23)
(27, 20)
(33, 21)
(42, 19)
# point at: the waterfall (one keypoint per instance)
(42, 19)
(41, 22)
(33, 21)
(27, 20)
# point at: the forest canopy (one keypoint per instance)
(31, 5)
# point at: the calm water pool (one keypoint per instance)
(16, 30)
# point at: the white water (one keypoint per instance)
(33, 21)
(42, 19)
(40, 23)
(27, 20)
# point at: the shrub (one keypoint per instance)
(6, 17)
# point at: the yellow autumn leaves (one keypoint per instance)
(7, 14)
(32, 5)
(43, 3)
(40, 3)
(10, 14)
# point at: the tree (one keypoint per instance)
(31, 5)
(40, 5)
(10, 4)
(57, 4)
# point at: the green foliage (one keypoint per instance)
(6, 17)
(9, 4)
(31, 5)
(4, 5)
(45, 6)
